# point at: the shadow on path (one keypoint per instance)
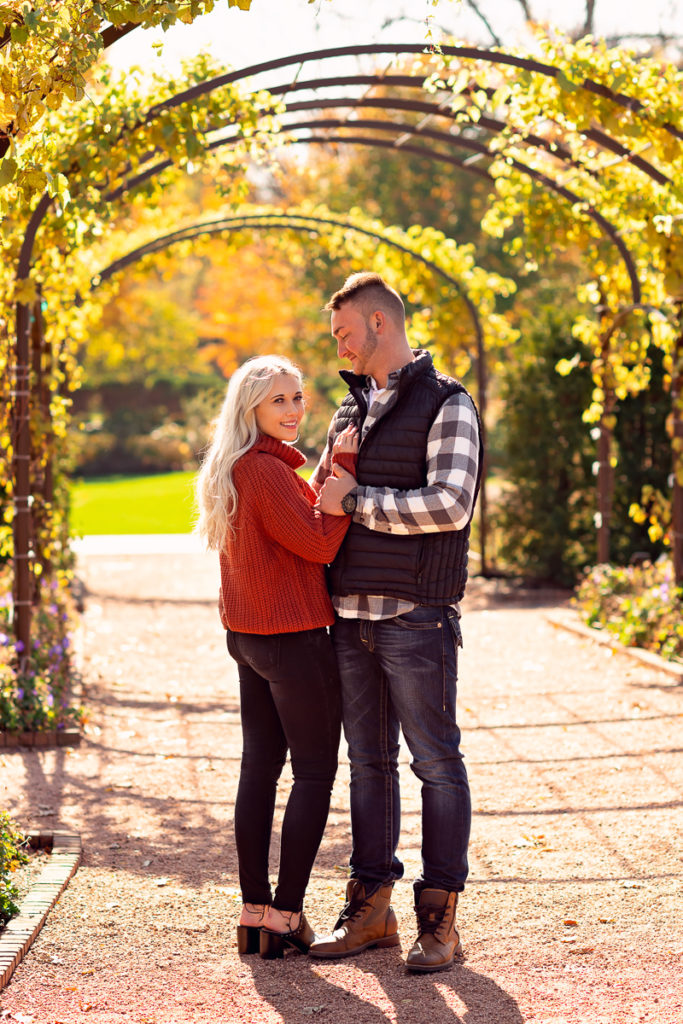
(383, 992)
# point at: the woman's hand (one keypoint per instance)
(346, 441)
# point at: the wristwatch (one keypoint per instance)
(348, 503)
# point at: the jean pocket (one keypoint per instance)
(420, 618)
(260, 652)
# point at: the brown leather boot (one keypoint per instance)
(438, 942)
(365, 921)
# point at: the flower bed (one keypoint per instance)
(12, 856)
(639, 605)
(39, 698)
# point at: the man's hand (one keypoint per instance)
(333, 490)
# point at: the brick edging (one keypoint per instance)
(570, 621)
(40, 740)
(19, 933)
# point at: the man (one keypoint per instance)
(395, 585)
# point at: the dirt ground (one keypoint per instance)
(573, 909)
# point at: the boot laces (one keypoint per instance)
(429, 918)
(351, 910)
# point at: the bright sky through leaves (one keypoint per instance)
(292, 26)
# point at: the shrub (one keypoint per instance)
(639, 605)
(12, 856)
(38, 698)
(548, 453)
(545, 512)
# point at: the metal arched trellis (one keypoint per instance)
(452, 141)
(317, 224)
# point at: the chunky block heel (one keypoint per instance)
(272, 944)
(248, 939)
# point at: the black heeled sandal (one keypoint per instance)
(248, 938)
(272, 944)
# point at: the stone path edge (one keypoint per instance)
(570, 621)
(20, 932)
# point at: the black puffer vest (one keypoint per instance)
(426, 568)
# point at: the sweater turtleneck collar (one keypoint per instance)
(270, 445)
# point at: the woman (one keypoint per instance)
(259, 514)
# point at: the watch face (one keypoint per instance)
(348, 503)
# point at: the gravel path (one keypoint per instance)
(573, 911)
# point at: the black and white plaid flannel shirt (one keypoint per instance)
(444, 504)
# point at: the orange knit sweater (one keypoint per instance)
(273, 565)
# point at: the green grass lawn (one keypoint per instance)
(161, 503)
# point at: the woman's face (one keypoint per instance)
(282, 410)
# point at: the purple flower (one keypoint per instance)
(4, 639)
(19, 646)
(53, 609)
(49, 700)
(20, 694)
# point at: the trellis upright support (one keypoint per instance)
(677, 461)
(21, 432)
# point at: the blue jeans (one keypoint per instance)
(402, 672)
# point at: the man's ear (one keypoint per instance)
(377, 320)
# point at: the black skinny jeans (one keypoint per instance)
(290, 699)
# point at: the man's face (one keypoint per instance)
(355, 337)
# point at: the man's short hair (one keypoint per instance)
(368, 292)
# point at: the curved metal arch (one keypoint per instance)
(494, 125)
(296, 221)
(311, 222)
(467, 52)
(449, 138)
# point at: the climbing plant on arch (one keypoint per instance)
(452, 281)
(629, 168)
(594, 165)
(524, 143)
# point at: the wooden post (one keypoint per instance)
(21, 444)
(42, 461)
(605, 483)
(21, 523)
(677, 452)
(482, 397)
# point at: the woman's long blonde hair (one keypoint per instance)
(234, 434)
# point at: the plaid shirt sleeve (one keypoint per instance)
(446, 503)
